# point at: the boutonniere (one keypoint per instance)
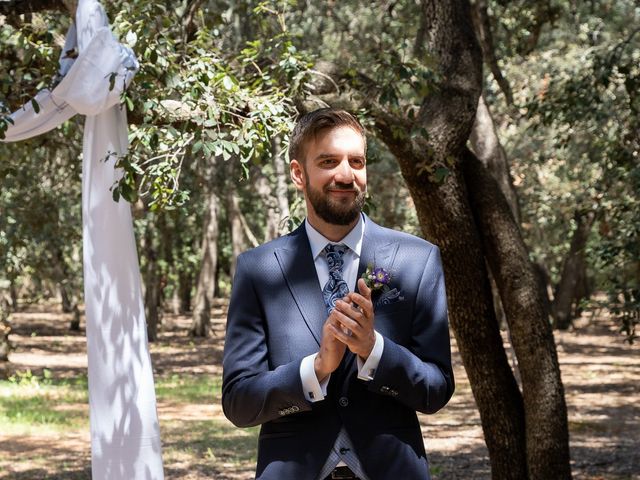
(376, 278)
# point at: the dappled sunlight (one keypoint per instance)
(601, 376)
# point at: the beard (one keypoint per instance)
(336, 212)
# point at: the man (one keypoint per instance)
(332, 371)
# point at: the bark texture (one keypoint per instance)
(486, 146)
(482, 24)
(571, 288)
(446, 219)
(153, 287)
(526, 434)
(19, 7)
(5, 329)
(273, 193)
(236, 221)
(547, 434)
(205, 288)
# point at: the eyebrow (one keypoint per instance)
(331, 155)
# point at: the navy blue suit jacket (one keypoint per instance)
(275, 319)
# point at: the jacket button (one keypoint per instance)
(343, 401)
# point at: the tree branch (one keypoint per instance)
(19, 7)
(482, 26)
(188, 20)
(545, 13)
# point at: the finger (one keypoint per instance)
(340, 319)
(362, 302)
(363, 289)
(341, 336)
(351, 311)
(364, 306)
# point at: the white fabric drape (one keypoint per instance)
(125, 434)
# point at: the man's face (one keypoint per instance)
(333, 176)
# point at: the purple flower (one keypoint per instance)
(381, 276)
(377, 278)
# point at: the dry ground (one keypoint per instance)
(601, 376)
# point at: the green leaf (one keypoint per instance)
(441, 174)
(227, 83)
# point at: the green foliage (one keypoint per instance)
(28, 400)
(575, 138)
(216, 88)
(196, 101)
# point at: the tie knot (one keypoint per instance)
(334, 255)
(333, 249)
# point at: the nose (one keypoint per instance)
(344, 172)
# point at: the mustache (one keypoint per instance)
(343, 186)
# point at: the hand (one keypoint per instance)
(331, 351)
(355, 313)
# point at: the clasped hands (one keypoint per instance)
(350, 325)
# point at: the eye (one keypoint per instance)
(357, 162)
(328, 162)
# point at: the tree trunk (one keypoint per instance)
(206, 278)
(574, 268)
(486, 146)
(282, 190)
(152, 287)
(67, 297)
(444, 213)
(184, 291)
(13, 293)
(19, 7)
(5, 329)
(482, 24)
(485, 143)
(446, 219)
(547, 434)
(234, 213)
(274, 197)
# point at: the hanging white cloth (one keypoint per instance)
(125, 434)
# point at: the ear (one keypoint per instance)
(297, 174)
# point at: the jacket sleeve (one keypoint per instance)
(419, 375)
(252, 392)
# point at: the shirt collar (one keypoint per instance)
(353, 239)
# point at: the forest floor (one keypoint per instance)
(44, 425)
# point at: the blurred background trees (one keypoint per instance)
(555, 85)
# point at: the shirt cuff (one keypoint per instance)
(314, 391)
(367, 370)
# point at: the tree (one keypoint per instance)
(426, 122)
(575, 141)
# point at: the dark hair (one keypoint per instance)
(311, 124)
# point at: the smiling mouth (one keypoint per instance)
(339, 191)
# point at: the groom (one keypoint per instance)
(333, 370)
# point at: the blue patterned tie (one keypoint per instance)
(335, 288)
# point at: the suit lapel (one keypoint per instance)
(377, 251)
(299, 271)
